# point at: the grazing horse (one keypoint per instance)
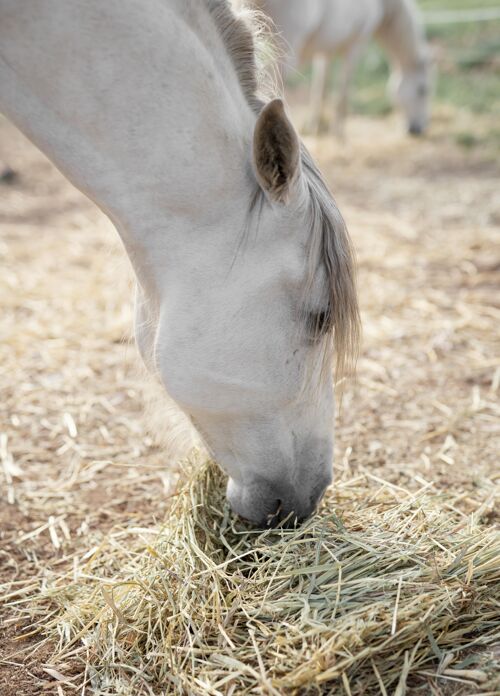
(245, 280)
(321, 29)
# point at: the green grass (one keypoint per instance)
(468, 64)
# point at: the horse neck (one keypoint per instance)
(146, 117)
(401, 33)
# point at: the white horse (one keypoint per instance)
(321, 29)
(243, 264)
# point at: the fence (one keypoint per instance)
(488, 14)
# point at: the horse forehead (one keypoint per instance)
(281, 241)
(274, 265)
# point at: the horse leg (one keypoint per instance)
(145, 328)
(318, 90)
(345, 78)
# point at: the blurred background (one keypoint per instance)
(464, 36)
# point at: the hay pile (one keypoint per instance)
(373, 593)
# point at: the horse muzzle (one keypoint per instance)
(415, 129)
(269, 504)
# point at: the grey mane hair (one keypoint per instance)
(252, 58)
(330, 244)
(402, 19)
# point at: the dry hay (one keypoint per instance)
(379, 588)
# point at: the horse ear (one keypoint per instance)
(276, 152)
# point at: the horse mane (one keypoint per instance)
(330, 243)
(238, 32)
(402, 32)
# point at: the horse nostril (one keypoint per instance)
(274, 517)
(288, 514)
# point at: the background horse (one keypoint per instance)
(322, 29)
(243, 264)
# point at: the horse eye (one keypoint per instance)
(319, 323)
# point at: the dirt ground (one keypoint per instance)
(76, 457)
